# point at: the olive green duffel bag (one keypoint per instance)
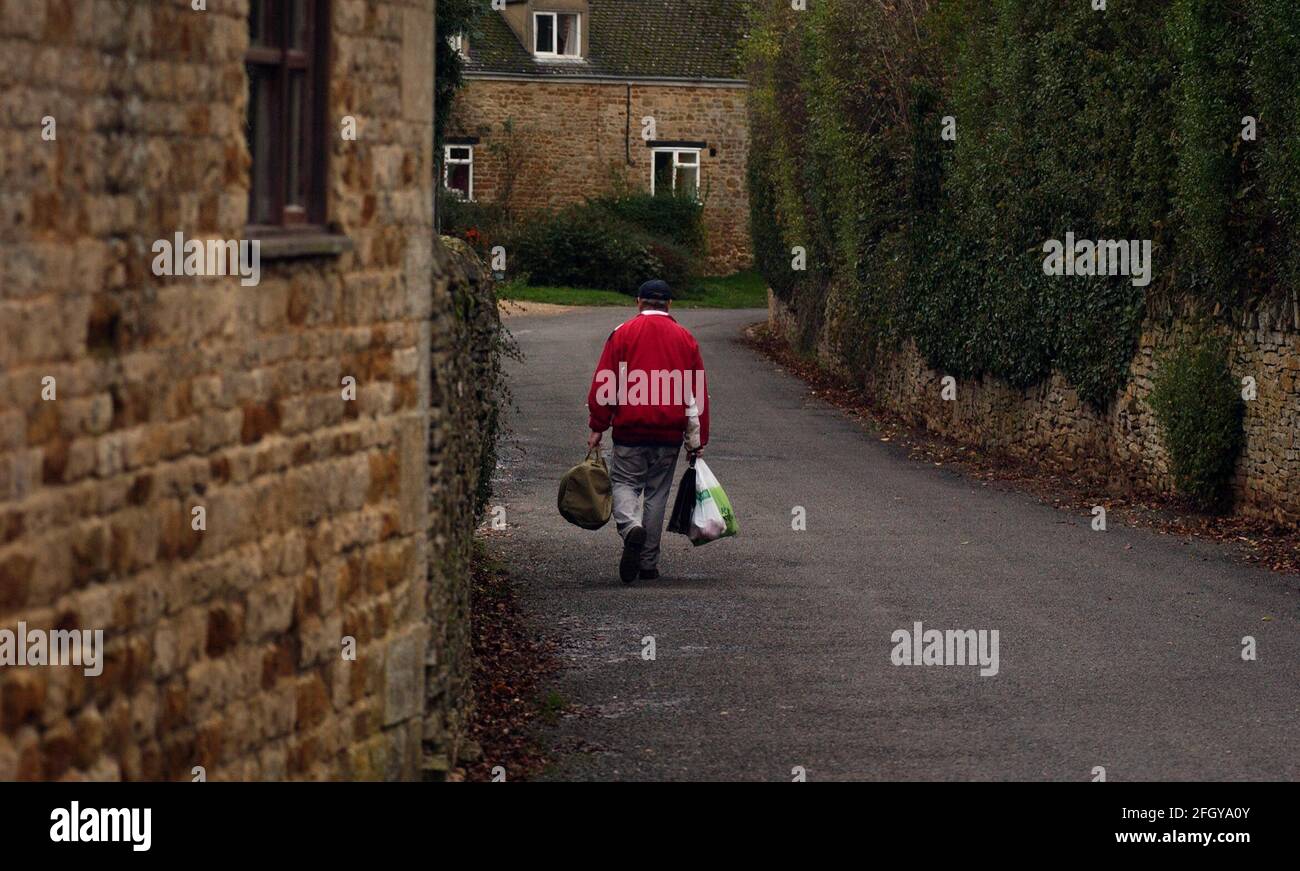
(586, 496)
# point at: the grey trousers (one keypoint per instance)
(643, 471)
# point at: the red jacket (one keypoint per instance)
(649, 367)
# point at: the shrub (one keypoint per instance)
(587, 246)
(677, 265)
(482, 225)
(679, 218)
(1199, 408)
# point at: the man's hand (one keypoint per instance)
(593, 440)
(692, 455)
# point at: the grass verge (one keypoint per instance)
(742, 290)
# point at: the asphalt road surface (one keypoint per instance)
(773, 650)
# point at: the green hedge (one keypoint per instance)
(678, 218)
(615, 242)
(1115, 124)
(1199, 408)
(482, 225)
(587, 246)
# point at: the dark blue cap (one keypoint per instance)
(655, 289)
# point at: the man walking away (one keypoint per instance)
(649, 374)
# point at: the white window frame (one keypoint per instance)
(555, 36)
(448, 162)
(675, 151)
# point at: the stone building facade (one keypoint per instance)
(650, 85)
(181, 463)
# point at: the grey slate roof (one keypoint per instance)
(672, 39)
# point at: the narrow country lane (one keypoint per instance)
(1119, 649)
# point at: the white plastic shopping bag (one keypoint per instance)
(713, 518)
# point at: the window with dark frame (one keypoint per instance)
(288, 64)
(675, 171)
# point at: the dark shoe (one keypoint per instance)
(631, 561)
(648, 575)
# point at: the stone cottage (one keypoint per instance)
(570, 98)
(253, 484)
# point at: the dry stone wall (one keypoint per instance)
(1121, 444)
(465, 401)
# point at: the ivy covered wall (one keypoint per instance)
(1172, 121)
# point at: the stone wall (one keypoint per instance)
(224, 645)
(464, 404)
(576, 142)
(1121, 445)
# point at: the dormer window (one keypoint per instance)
(557, 34)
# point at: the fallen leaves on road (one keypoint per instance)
(511, 663)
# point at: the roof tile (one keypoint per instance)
(676, 39)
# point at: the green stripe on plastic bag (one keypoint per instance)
(713, 518)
